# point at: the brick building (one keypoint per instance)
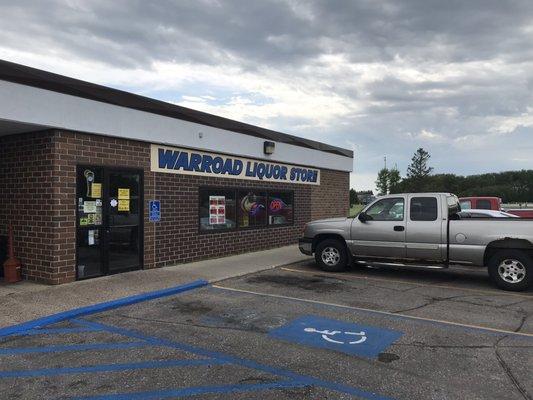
(97, 181)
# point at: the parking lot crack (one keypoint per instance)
(522, 321)
(508, 371)
(414, 308)
(429, 301)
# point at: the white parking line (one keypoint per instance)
(343, 276)
(278, 296)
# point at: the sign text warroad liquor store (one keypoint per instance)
(192, 162)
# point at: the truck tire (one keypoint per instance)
(331, 255)
(511, 270)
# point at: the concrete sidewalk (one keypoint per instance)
(25, 301)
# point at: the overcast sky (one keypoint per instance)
(380, 77)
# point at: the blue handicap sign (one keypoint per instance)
(346, 337)
(155, 210)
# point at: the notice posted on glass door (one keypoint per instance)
(217, 210)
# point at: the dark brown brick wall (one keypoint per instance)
(38, 175)
(332, 197)
(26, 200)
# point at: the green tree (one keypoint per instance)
(419, 168)
(382, 183)
(418, 172)
(353, 197)
(394, 181)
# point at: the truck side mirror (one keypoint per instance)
(363, 217)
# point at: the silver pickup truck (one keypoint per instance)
(424, 230)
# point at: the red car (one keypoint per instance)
(492, 203)
(481, 203)
(521, 212)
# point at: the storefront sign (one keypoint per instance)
(191, 162)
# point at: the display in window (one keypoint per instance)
(280, 210)
(251, 204)
(276, 205)
(217, 210)
(252, 209)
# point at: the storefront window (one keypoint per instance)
(251, 209)
(217, 209)
(222, 209)
(280, 208)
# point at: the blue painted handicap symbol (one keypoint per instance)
(155, 210)
(347, 337)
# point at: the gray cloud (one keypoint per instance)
(435, 73)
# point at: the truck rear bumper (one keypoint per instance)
(306, 246)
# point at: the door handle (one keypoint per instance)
(399, 228)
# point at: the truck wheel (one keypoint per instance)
(511, 270)
(331, 255)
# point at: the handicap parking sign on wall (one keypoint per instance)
(154, 207)
(347, 337)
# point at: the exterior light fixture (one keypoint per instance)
(268, 147)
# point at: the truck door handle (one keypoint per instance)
(399, 228)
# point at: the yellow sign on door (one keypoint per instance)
(96, 190)
(124, 194)
(123, 205)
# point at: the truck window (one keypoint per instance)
(423, 209)
(466, 204)
(483, 204)
(387, 210)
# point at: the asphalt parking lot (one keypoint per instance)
(290, 333)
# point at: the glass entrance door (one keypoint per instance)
(124, 231)
(109, 221)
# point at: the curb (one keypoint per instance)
(270, 267)
(99, 307)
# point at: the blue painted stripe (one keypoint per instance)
(197, 390)
(72, 347)
(308, 380)
(96, 308)
(107, 368)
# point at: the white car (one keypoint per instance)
(479, 213)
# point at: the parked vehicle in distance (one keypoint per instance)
(492, 203)
(481, 203)
(424, 230)
(521, 212)
(474, 213)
